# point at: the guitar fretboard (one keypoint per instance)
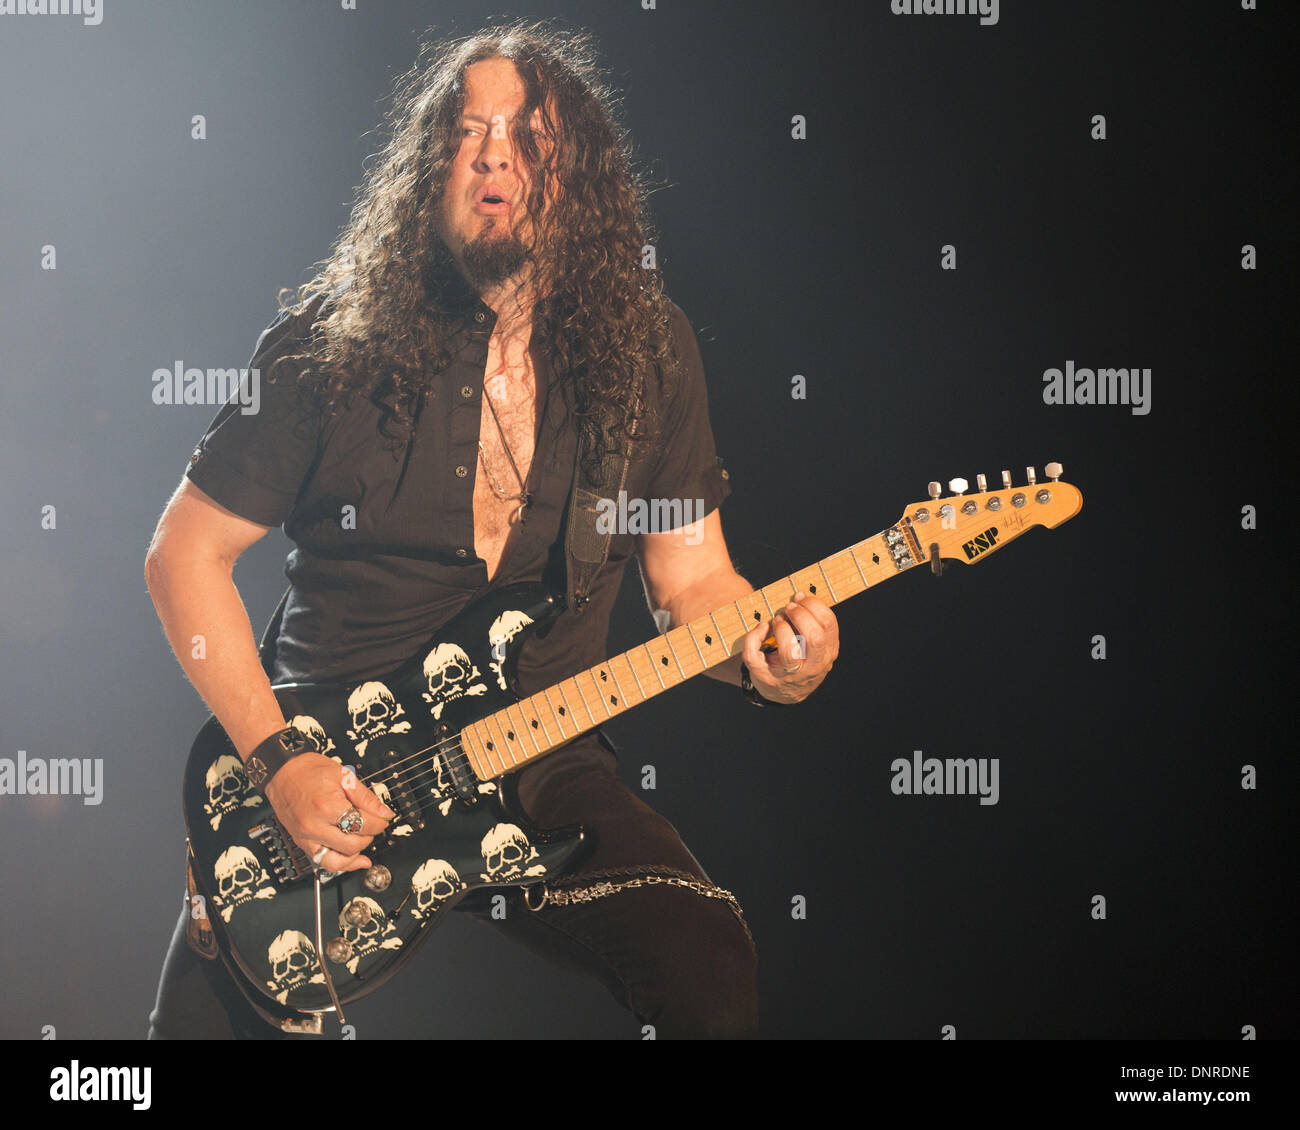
(508, 739)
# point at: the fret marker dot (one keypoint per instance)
(510, 735)
(561, 710)
(757, 615)
(491, 746)
(812, 589)
(708, 639)
(875, 559)
(534, 723)
(664, 660)
(613, 699)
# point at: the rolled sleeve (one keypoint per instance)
(688, 465)
(254, 463)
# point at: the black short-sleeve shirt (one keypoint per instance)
(384, 535)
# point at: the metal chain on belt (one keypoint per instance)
(567, 896)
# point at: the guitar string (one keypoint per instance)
(461, 753)
(460, 757)
(441, 746)
(454, 751)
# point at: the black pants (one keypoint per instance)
(674, 958)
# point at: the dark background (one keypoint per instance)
(820, 257)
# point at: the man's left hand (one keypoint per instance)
(807, 645)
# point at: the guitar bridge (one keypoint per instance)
(285, 858)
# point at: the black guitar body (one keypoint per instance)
(454, 833)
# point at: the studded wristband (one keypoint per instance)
(750, 691)
(272, 754)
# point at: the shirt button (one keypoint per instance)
(461, 472)
(479, 316)
(467, 391)
(726, 474)
(462, 553)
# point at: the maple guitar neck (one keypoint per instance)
(961, 527)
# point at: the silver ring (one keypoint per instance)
(793, 670)
(351, 821)
(319, 855)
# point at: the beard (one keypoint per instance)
(491, 259)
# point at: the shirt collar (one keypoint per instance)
(461, 299)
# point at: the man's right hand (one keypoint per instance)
(310, 793)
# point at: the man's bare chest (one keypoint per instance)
(507, 435)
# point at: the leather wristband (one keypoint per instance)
(271, 755)
(751, 694)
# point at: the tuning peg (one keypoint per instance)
(935, 490)
(982, 483)
(1006, 480)
(1054, 471)
(1031, 476)
(958, 486)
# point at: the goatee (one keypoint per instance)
(489, 260)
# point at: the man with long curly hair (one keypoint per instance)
(485, 324)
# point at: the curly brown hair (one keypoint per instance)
(384, 299)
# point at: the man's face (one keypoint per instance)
(483, 219)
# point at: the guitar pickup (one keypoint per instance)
(401, 797)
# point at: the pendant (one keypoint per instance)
(525, 501)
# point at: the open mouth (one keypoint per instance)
(491, 194)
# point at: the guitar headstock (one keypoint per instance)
(969, 526)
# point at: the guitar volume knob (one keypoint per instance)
(356, 913)
(378, 877)
(338, 950)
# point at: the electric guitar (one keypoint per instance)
(437, 739)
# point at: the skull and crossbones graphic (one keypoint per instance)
(292, 958)
(240, 879)
(449, 674)
(227, 785)
(318, 741)
(504, 628)
(433, 883)
(505, 851)
(374, 713)
(443, 789)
